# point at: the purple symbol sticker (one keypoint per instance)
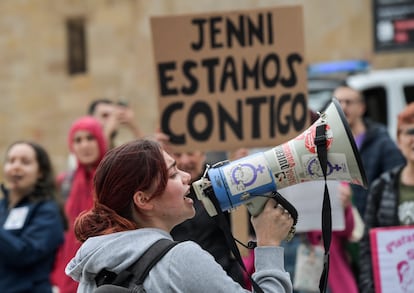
(314, 168)
(245, 175)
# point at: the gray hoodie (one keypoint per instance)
(185, 268)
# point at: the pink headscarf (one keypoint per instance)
(92, 125)
(80, 197)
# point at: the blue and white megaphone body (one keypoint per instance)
(246, 180)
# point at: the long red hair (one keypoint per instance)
(137, 165)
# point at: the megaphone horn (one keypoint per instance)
(246, 180)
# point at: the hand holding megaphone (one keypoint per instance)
(272, 225)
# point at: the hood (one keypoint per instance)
(114, 252)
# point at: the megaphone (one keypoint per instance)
(246, 180)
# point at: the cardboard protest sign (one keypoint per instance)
(231, 79)
(392, 251)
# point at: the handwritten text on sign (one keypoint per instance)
(232, 79)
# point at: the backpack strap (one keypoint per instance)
(140, 269)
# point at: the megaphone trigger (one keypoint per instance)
(285, 204)
(280, 200)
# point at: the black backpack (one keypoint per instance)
(108, 281)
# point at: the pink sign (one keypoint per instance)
(393, 259)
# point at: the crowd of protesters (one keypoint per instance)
(47, 241)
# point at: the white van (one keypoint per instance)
(386, 92)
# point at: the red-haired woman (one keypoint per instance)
(140, 196)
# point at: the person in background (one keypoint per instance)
(31, 220)
(114, 115)
(391, 197)
(86, 140)
(377, 150)
(140, 196)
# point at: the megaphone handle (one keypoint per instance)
(256, 205)
(287, 205)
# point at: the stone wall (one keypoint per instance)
(39, 100)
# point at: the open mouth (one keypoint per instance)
(16, 178)
(187, 197)
(187, 193)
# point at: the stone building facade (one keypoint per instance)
(39, 97)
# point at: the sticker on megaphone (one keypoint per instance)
(235, 183)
